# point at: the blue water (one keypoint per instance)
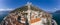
(1, 17)
(3, 14)
(56, 16)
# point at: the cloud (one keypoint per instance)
(6, 9)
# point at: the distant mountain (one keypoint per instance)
(58, 11)
(3, 12)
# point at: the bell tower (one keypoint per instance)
(29, 11)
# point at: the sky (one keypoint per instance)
(46, 5)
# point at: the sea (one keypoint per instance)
(3, 14)
(56, 16)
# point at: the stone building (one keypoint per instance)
(28, 15)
